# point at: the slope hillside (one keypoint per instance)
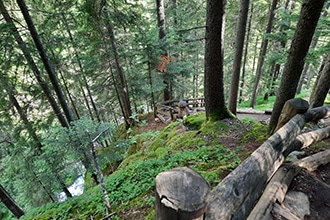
(211, 148)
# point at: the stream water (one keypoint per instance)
(76, 189)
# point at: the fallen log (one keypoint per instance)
(235, 196)
(274, 192)
(312, 162)
(317, 113)
(307, 139)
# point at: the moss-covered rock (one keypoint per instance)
(195, 121)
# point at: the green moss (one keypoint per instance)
(187, 140)
(256, 132)
(161, 152)
(121, 131)
(220, 114)
(320, 146)
(214, 127)
(212, 176)
(327, 99)
(151, 215)
(195, 121)
(169, 131)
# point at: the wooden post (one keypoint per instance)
(290, 109)
(182, 108)
(181, 194)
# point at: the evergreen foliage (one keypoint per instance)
(38, 156)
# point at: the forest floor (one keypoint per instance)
(316, 185)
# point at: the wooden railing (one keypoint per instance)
(172, 109)
(243, 194)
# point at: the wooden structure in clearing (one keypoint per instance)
(261, 177)
(172, 109)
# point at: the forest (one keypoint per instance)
(80, 80)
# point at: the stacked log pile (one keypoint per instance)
(257, 188)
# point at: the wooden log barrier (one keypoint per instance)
(290, 109)
(274, 192)
(235, 196)
(181, 194)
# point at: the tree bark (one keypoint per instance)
(124, 96)
(305, 75)
(45, 60)
(240, 36)
(309, 16)
(82, 73)
(237, 193)
(10, 203)
(290, 109)
(262, 53)
(322, 87)
(161, 35)
(274, 192)
(215, 105)
(245, 56)
(94, 144)
(33, 67)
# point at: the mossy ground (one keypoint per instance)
(211, 148)
(192, 142)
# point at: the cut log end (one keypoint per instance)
(181, 193)
(290, 109)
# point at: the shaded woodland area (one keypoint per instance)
(76, 76)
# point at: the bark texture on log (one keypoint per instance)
(307, 139)
(312, 162)
(181, 193)
(274, 192)
(235, 196)
(290, 109)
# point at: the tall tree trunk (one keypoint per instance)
(94, 144)
(215, 105)
(45, 60)
(26, 122)
(69, 95)
(151, 86)
(262, 53)
(10, 203)
(279, 46)
(126, 105)
(81, 69)
(240, 36)
(33, 66)
(305, 75)
(245, 56)
(309, 16)
(35, 138)
(161, 35)
(322, 86)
